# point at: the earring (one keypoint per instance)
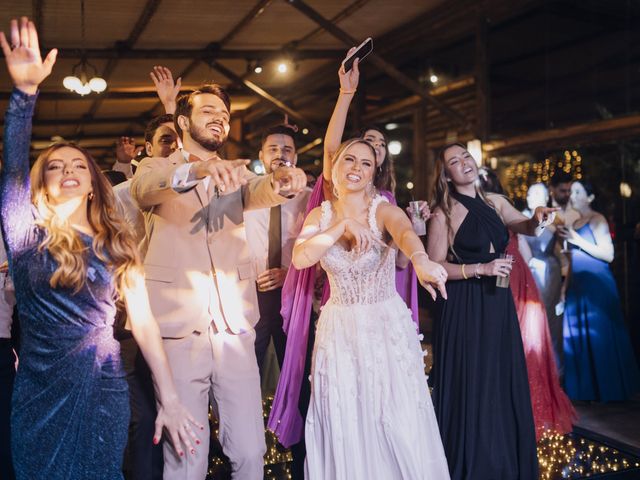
(335, 191)
(90, 196)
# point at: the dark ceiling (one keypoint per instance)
(541, 64)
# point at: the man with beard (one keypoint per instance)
(200, 279)
(272, 233)
(560, 189)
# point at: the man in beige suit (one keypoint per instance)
(201, 278)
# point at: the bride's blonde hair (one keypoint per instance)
(340, 153)
(113, 240)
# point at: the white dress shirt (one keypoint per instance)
(257, 226)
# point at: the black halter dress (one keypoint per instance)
(481, 392)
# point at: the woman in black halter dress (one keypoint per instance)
(481, 391)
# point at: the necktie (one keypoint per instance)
(275, 238)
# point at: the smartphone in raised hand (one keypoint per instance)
(364, 49)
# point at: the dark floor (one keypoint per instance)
(618, 421)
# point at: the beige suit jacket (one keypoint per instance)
(197, 262)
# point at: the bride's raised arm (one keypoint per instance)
(335, 129)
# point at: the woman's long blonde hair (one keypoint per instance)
(113, 240)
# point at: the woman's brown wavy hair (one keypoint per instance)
(113, 240)
(443, 199)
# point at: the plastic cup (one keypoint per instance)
(503, 282)
(419, 225)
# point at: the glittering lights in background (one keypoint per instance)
(519, 176)
(574, 457)
(560, 457)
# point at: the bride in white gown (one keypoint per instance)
(371, 415)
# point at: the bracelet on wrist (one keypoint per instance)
(419, 252)
(464, 274)
(476, 273)
(348, 92)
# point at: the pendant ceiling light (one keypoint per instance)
(79, 80)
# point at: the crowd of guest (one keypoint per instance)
(149, 294)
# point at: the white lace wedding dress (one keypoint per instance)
(370, 415)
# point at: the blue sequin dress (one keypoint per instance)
(70, 409)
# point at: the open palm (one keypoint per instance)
(24, 62)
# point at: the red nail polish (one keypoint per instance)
(197, 442)
(182, 454)
(155, 440)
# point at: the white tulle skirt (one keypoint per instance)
(371, 415)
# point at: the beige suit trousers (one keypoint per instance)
(218, 368)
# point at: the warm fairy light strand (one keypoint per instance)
(521, 175)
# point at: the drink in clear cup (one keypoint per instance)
(419, 225)
(503, 282)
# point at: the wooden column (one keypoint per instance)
(483, 119)
(234, 148)
(422, 164)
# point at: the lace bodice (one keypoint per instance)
(359, 279)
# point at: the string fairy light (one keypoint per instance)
(519, 176)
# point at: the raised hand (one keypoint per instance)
(25, 65)
(349, 80)
(167, 89)
(126, 149)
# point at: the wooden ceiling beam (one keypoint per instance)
(439, 27)
(266, 96)
(379, 62)
(213, 51)
(592, 132)
(148, 11)
(254, 13)
(348, 11)
(406, 105)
